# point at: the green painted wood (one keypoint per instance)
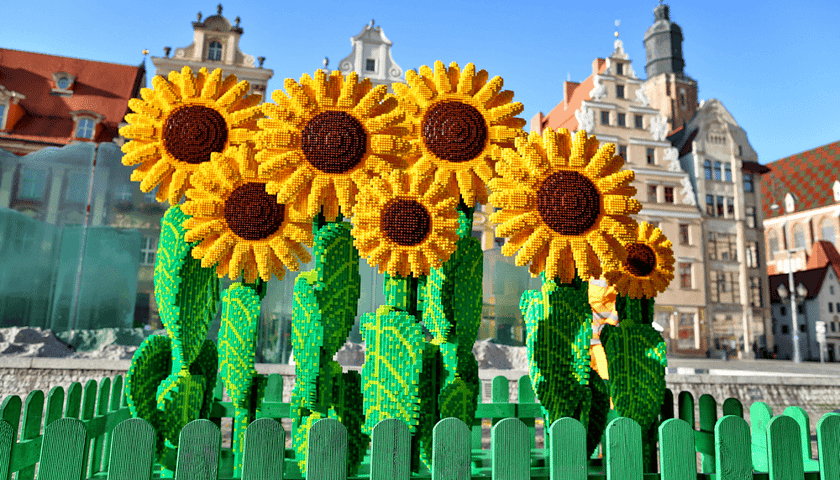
(97, 442)
(55, 405)
(500, 394)
(732, 449)
(88, 406)
(63, 451)
(133, 451)
(624, 450)
(74, 400)
(828, 446)
(801, 416)
(265, 444)
(676, 450)
(117, 393)
(705, 441)
(667, 406)
(451, 450)
(199, 448)
(784, 449)
(760, 415)
(686, 408)
(733, 406)
(476, 429)
(326, 457)
(33, 415)
(390, 454)
(511, 450)
(567, 450)
(114, 401)
(527, 397)
(10, 412)
(7, 441)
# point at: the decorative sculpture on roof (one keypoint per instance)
(659, 128)
(641, 97)
(585, 117)
(599, 91)
(672, 157)
(688, 192)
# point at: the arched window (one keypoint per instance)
(826, 230)
(215, 52)
(798, 236)
(85, 128)
(772, 242)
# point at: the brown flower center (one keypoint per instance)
(641, 259)
(568, 202)
(406, 222)
(454, 131)
(253, 214)
(191, 133)
(334, 142)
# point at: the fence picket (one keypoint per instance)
(451, 450)
(567, 450)
(55, 405)
(10, 412)
(63, 451)
(7, 441)
(676, 444)
(624, 450)
(133, 450)
(732, 449)
(667, 410)
(199, 448)
(500, 394)
(784, 449)
(705, 440)
(390, 454)
(476, 432)
(33, 414)
(760, 415)
(264, 450)
(686, 408)
(527, 397)
(114, 404)
(828, 445)
(733, 406)
(74, 400)
(326, 457)
(97, 442)
(801, 416)
(511, 452)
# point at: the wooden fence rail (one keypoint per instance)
(107, 440)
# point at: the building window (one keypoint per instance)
(669, 194)
(370, 65)
(215, 51)
(740, 151)
(772, 243)
(32, 184)
(827, 230)
(652, 193)
(725, 289)
(639, 122)
(752, 254)
(710, 205)
(77, 187)
(798, 236)
(619, 91)
(148, 251)
(727, 171)
(755, 292)
(717, 171)
(785, 329)
(2, 113)
(830, 308)
(684, 234)
(651, 159)
(622, 150)
(84, 129)
(722, 246)
(751, 220)
(783, 310)
(831, 289)
(619, 68)
(730, 207)
(622, 119)
(719, 206)
(122, 193)
(748, 182)
(837, 305)
(605, 117)
(685, 275)
(707, 166)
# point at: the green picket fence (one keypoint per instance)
(88, 434)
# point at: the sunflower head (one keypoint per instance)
(406, 225)
(240, 226)
(564, 203)
(459, 123)
(326, 136)
(180, 123)
(648, 267)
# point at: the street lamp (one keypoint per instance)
(799, 292)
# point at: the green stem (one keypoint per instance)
(465, 218)
(401, 293)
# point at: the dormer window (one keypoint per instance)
(214, 53)
(63, 84)
(370, 65)
(86, 124)
(84, 128)
(790, 202)
(619, 91)
(619, 68)
(836, 188)
(2, 116)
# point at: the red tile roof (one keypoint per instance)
(809, 176)
(563, 115)
(823, 256)
(100, 87)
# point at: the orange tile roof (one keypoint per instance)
(100, 87)
(563, 115)
(808, 175)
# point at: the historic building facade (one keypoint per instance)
(371, 58)
(216, 45)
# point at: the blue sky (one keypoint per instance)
(773, 64)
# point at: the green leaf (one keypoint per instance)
(171, 254)
(207, 365)
(349, 410)
(307, 339)
(179, 398)
(393, 361)
(457, 400)
(237, 338)
(151, 364)
(558, 320)
(467, 275)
